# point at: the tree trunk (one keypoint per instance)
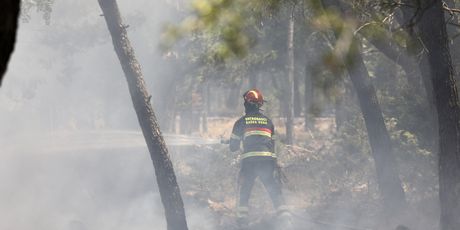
(415, 49)
(308, 100)
(9, 13)
(297, 102)
(386, 166)
(385, 162)
(186, 121)
(205, 109)
(454, 41)
(411, 59)
(342, 101)
(291, 88)
(167, 184)
(434, 36)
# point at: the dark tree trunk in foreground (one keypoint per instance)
(167, 184)
(386, 166)
(9, 13)
(434, 36)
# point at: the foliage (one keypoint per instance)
(232, 25)
(44, 7)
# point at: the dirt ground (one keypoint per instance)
(325, 187)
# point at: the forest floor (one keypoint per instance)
(330, 183)
(326, 186)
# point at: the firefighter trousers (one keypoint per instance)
(265, 168)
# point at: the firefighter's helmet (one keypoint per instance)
(254, 96)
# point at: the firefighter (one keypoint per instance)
(258, 158)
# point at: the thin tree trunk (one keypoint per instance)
(434, 36)
(9, 13)
(167, 184)
(341, 114)
(290, 91)
(204, 111)
(388, 179)
(186, 113)
(308, 94)
(280, 87)
(208, 96)
(297, 102)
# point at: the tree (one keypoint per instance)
(308, 96)
(166, 179)
(386, 167)
(434, 36)
(45, 7)
(9, 13)
(453, 30)
(416, 48)
(290, 80)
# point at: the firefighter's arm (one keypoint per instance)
(234, 143)
(235, 138)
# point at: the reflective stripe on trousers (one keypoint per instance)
(258, 154)
(242, 211)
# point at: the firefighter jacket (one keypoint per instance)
(256, 132)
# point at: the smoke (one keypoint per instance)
(63, 79)
(60, 169)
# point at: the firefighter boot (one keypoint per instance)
(242, 220)
(284, 218)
